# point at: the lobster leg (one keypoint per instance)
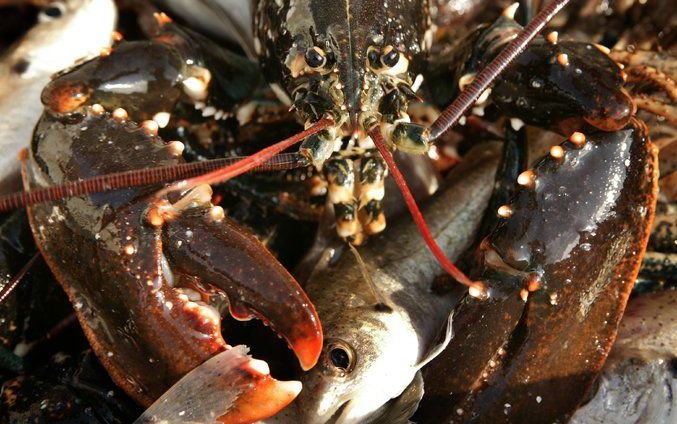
(571, 249)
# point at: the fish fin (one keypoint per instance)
(378, 299)
(436, 350)
(244, 39)
(401, 408)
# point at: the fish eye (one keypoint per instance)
(315, 57)
(390, 57)
(340, 357)
(53, 11)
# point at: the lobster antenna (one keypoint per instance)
(248, 163)
(139, 177)
(475, 288)
(13, 283)
(376, 294)
(472, 92)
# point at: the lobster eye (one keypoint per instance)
(315, 57)
(340, 357)
(390, 57)
(373, 57)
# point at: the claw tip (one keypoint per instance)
(509, 12)
(308, 351)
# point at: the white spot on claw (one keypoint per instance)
(505, 211)
(176, 148)
(162, 119)
(516, 123)
(526, 178)
(557, 152)
(195, 88)
(509, 12)
(120, 114)
(563, 59)
(259, 366)
(578, 138)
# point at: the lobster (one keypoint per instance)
(349, 71)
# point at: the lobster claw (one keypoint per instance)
(568, 83)
(221, 254)
(560, 269)
(146, 285)
(230, 375)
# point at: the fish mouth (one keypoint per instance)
(310, 409)
(339, 416)
(330, 417)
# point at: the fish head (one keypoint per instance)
(57, 40)
(368, 358)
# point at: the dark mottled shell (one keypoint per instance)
(582, 227)
(350, 26)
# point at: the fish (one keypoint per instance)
(66, 31)
(377, 341)
(638, 384)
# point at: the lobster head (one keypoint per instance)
(357, 62)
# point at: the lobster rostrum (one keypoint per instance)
(349, 69)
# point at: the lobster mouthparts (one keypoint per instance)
(148, 276)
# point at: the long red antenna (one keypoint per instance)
(249, 162)
(471, 93)
(12, 284)
(475, 288)
(139, 177)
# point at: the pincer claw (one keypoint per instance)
(560, 268)
(218, 253)
(231, 388)
(147, 277)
